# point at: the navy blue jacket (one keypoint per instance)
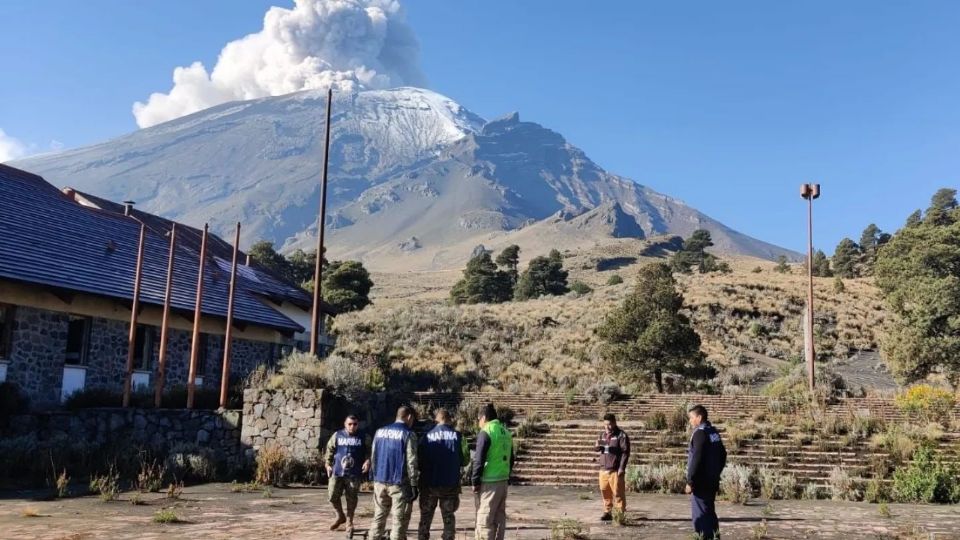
(346, 454)
(442, 456)
(394, 455)
(706, 459)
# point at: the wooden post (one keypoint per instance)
(197, 313)
(134, 309)
(316, 321)
(225, 377)
(165, 322)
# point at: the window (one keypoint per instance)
(143, 356)
(78, 341)
(6, 331)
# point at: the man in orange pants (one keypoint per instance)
(614, 447)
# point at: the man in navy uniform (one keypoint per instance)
(346, 460)
(705, 461)
(396, 475)
(443, 453)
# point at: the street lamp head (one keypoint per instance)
(810, 191)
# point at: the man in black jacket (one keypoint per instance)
(705, 461)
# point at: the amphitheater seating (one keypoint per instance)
(560, 451)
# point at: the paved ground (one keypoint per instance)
(213, 511)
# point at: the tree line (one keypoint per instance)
(345, 284)
(490, 281)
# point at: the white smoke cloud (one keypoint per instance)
(10, 148)
(347, 44)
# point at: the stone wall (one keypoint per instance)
(157, 429)
(290, 419)
(39, 342)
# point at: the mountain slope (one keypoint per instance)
(416, 180)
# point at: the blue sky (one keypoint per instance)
(728, 106)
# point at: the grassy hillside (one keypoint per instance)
(744, 317)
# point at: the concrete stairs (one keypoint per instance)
(562, 454)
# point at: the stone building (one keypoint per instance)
(67, 268)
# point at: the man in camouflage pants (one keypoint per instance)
(396, 475)
(443, 453)
(346, 462)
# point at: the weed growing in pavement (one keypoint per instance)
(567, 529)
(166, 516)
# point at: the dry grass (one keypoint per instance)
(550, 343)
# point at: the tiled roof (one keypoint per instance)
(46, 238)
(255, 278)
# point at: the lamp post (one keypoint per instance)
(809, 192)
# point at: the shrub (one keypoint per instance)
(192, 463)
(619, 517)
(528, 428)
(106, 485)
(299, 370)
(927, 479)
(926, 402)
(776, 485)
(175, 490)
(346, 378)
(843, 487)
(615, 280)
(657, 477)
(757, 270)
(812, 492)
(735, 483)
(655, 420)
(63, 484)
(150, 477)
(273, 465)
(678, 419)
(580, 287)
(742, 375)
(605, 392)
(876, 491)
(567, 529)
(735, 435)
(865, 424)
(166, 516)
(93, 397)
(12, 400)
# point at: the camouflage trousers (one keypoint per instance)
(342, 487)
(448, 499)
(390, 500)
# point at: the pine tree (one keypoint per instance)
(482, 282)
(543, 276)
(871, 241)
(782, 266)
(647, 333)
(845, 259)
(303, 265)
(509, 259)
(821, 264)
(918, 272)
(942, 204)
(693, 254)
(346, 286)
(265, 256)
(914, 219)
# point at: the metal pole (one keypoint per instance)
(197, 310)
(316, 321)
(164, 323)
(811, 355)
(134, 309)
(225, 376)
